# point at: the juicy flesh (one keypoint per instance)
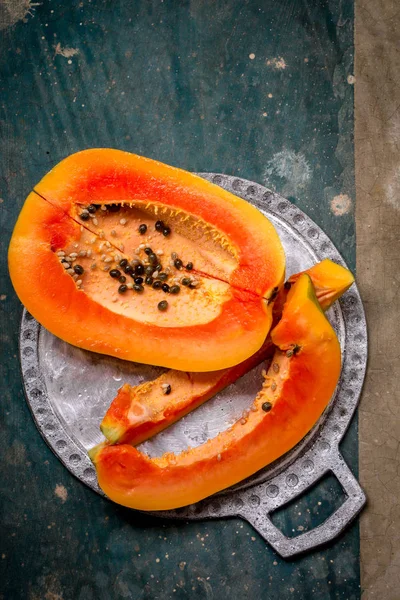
(115, 235)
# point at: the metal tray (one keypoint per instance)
(68, 391)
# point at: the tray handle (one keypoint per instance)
(328, 530)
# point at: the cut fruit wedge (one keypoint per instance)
(298, 387)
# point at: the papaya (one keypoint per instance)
(139, 412)
(137, 259)
(297, 388)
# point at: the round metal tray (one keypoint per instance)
(69, 390)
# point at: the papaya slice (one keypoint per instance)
(298, 386)
(136, 259)
(139, 412)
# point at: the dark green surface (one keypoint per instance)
(173, 81)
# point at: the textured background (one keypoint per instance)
(263, 90)
(378, 250)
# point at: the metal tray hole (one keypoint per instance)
(311, 508)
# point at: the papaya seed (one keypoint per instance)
(292, 351)
(178, 263)
(78, 269)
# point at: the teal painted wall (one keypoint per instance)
(255, 89)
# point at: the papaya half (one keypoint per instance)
(139, 412)
(298, 386)
(136, 259)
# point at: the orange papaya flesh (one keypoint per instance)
(139, 412)
(217, 321)
(329, 279)
(298, 386)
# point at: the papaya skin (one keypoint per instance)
(296, 391)
(49, 222)
(138, 413)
